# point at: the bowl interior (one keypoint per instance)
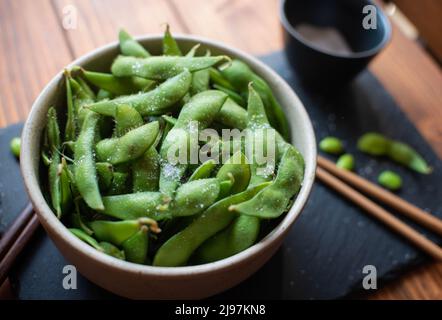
(100, 60)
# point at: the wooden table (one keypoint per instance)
(34, 46)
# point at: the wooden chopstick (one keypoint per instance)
(380, 213)
(17, 247)
(15, 229)
(425, 219)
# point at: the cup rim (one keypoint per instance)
(353, 55)
(50, 221)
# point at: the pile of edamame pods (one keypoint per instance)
(105, 157)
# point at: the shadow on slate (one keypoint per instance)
(330, 243)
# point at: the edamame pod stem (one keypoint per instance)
(238, 236)
(54, 171)
(272, 201)
(128, 147)
(161, 67)
(116, 232)
(155, 102)
(170, 46)
(178, 249)
(202, 109)
(115, 85)
(238, 168)
(232, 115)
(84, 164)
(136, 246)
(146, 172)
(130, 47)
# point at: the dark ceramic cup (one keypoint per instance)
(329, 42)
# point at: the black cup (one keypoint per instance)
(350, 44)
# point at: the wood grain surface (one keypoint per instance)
(34, 46)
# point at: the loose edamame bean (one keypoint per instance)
(331, 145)
(390, 180)
(15, 146)
(374, 144)
(163, 67)
(346, 161)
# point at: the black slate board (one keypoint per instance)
(330, 243)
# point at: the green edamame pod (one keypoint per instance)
(390, 180)
(202, 109)
(232, 94)
(200, 82)
(105, 174)
(193, 50)
(346, 161)
(111, 250)
(188, 200)
(80, 99)
(238, 169)
(272, 201)
(115, 85)
(116, 232)
(217, 78)
(240, 75)
(126, 119)
(70, 132)
(178, 249)
(137, 205)
(128, 147)
(170, 46)
(203, 171)
(84, 164)
(130, 47)
(65, 187)
(104, 95)
(232, 115)
(120, 184)
(136, 246)
(89, 92)
(331, 145)
(161, 67)
(54, 171)
(83, 236)
(238, 236)
(376, 144)
(155, 102)
(146, 171)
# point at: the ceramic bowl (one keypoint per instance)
(147, 282)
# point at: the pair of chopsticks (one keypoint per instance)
(342, 181)
(15, 239)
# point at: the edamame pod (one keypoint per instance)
(146, 171)
(170, 46)
(178, 249)
(54, 171)
(130, 47)
(163, 67)
(238, 236)
(203, 171)
(238, 169)
(126, 119)
(84, 164)
(129, 146)
(272, 201)
(136, 246)
(155, 102)
(232, 115)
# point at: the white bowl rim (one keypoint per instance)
(49, 219)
